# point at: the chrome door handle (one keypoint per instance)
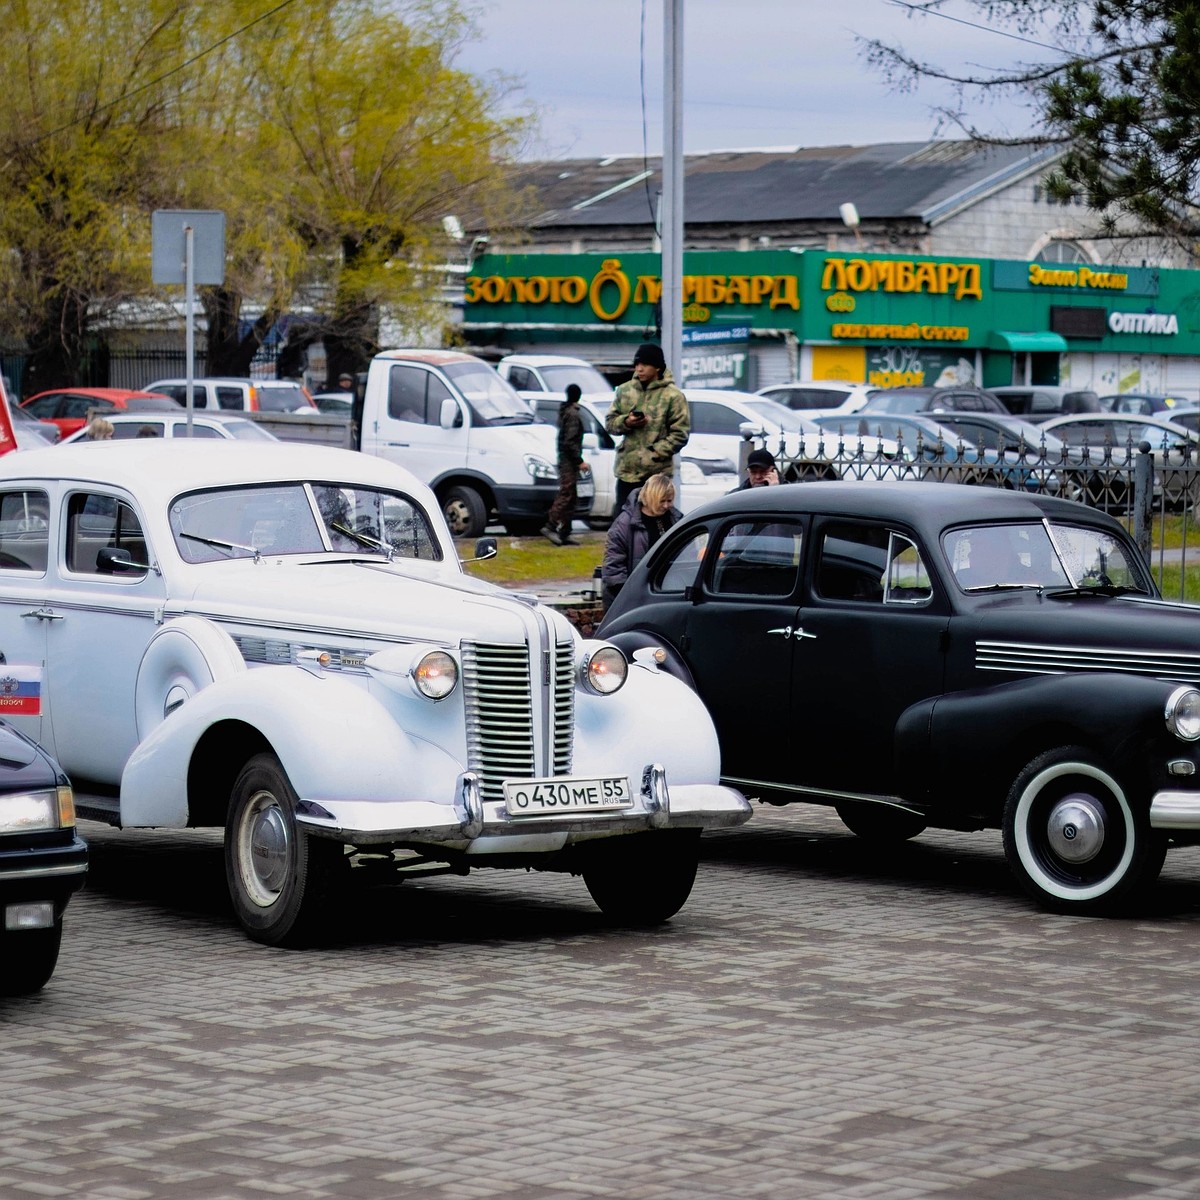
(44, 614)
(788, 631)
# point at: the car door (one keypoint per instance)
(99, 623)
(739, 640)
(409, 428)
(874, 625)
(25, 538)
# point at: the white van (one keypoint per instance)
(238, 395)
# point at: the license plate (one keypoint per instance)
(585, 487)
(551, 797)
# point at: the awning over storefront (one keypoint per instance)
(1042, 342)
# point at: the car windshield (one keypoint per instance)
(299, 518)
(1041, 555)
(781, 415)
(590, 380)
(494, 400)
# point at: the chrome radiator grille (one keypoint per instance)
(498, 690)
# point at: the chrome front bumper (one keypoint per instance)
(471, 819)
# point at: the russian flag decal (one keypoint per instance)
(20, 691)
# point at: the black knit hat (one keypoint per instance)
(574, 391)
(760, 458)
(651, 355)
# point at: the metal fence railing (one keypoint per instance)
(1154, 490)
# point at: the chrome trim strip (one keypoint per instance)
(748, 785)
(46, 872)
(1175, 810)
(1040, 659)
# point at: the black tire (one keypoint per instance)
(465, 511)
(27, 959)
(1073, 839)
(879, 823)
(599, 524)
(642, 879)
(280, 878)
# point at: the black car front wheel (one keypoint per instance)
(1072, 837)
(27, 959)
(642, 878)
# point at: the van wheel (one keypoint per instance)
(465, 512)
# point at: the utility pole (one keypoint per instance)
(672, 176)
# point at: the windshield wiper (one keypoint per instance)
(220, 545)
(1005, 587)
(1107, 590)
(363, 539)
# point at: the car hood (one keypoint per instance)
(327, 596)
(18, 752)
(1132, 634)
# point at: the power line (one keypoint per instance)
(933, 12)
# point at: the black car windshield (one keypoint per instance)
(300, 518)
(1042, 555)
(493, 400)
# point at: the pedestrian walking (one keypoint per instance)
(570, 457)
(650, 415)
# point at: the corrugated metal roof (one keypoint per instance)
(885, 181)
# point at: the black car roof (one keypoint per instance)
(931, 506)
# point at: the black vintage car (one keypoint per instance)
(921, 654)
(43, 861)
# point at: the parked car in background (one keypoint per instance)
(222, 425)
(1142, 404)
(340, 404)
(240, 395)
(1110, 441)
(700, 479)
(70, 408)
(1039, 402)
(32, 434)
(533, 374)
(813, 396)
(280, 640)
(43, 860)
(926, 399)
(931, 655)
(724, 421)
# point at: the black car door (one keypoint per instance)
(739, 639)
(875, 621)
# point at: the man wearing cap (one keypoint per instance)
(650, 416)
(760, 470)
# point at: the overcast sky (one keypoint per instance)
(757, 72)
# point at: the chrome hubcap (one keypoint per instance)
(268, 847)
(1075, 828)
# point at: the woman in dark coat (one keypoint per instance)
(648, 514)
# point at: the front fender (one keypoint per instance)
(965, 748)
(642, 639)
(334, 739)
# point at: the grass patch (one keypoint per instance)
(529, 561)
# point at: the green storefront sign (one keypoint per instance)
(945, 305)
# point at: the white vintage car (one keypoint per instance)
(280, 640)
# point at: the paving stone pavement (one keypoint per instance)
(822, 1020)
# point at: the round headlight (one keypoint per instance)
(1183, 713)
(435, 675)
(604, 670)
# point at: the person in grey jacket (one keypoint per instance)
(647, 515)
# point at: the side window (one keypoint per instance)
(715, 418)
(80, 406)
(24, 530)
(96, 524)
(44, 406)
(678, 573)
(853, 563)
(524, 380)
(406, 394)
(198, 431)
(758, 558)
(232, 398)
(177, 391)
(130, 429)
(907, 580)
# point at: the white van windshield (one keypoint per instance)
(493, 400)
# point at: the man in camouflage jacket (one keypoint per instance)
(649, 441)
